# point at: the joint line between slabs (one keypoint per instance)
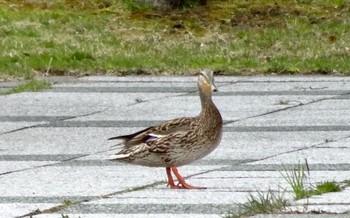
(286, 108)
(299, 149)
(48, 123)
(179, 95)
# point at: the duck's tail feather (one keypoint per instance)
(119, 137)
(117, 156)
(128, 137)
(119, 144)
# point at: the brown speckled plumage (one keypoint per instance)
(179, 141)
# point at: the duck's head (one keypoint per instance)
(206, 83)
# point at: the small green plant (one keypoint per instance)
(30, 86)
(262, 203)
(139, 100)
(283, 102)
(67, 203)
(328, 140)
(325, 187)
(295, 179)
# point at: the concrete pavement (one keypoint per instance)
(53, 146)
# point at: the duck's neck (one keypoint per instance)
(208, 106)
(209, 116)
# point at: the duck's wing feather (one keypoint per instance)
(163, 129)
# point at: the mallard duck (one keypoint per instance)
(176, 142)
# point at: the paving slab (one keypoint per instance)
(66, 103)
(231, 107)
(53, 145)
(328, 112)
(56, 141)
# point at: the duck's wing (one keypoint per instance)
(161, 130)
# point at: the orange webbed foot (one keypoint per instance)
(182, 184)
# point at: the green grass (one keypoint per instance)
(113, 37)
(29, 86)
(274, 201)
(325, 187)
(262, 203)
(296, 179)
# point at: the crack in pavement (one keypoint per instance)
(44, 124)
(52, 164)
(298, 149)
(286, 108)
(60, 207)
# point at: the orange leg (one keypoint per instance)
(170, 178)
(182, 184)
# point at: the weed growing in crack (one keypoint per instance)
(67, 203)
(283, 102)
(325, 187)
(328, 140)
(262, 203)
(139, 100)
(296, 179)
(274, 201)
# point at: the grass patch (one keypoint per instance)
(296, 179)
(274, 202)
(325, 187)
(232, 36)
(262, 203)
(29, 86)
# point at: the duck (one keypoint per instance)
(176, 142)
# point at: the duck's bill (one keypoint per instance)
(214, 88)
